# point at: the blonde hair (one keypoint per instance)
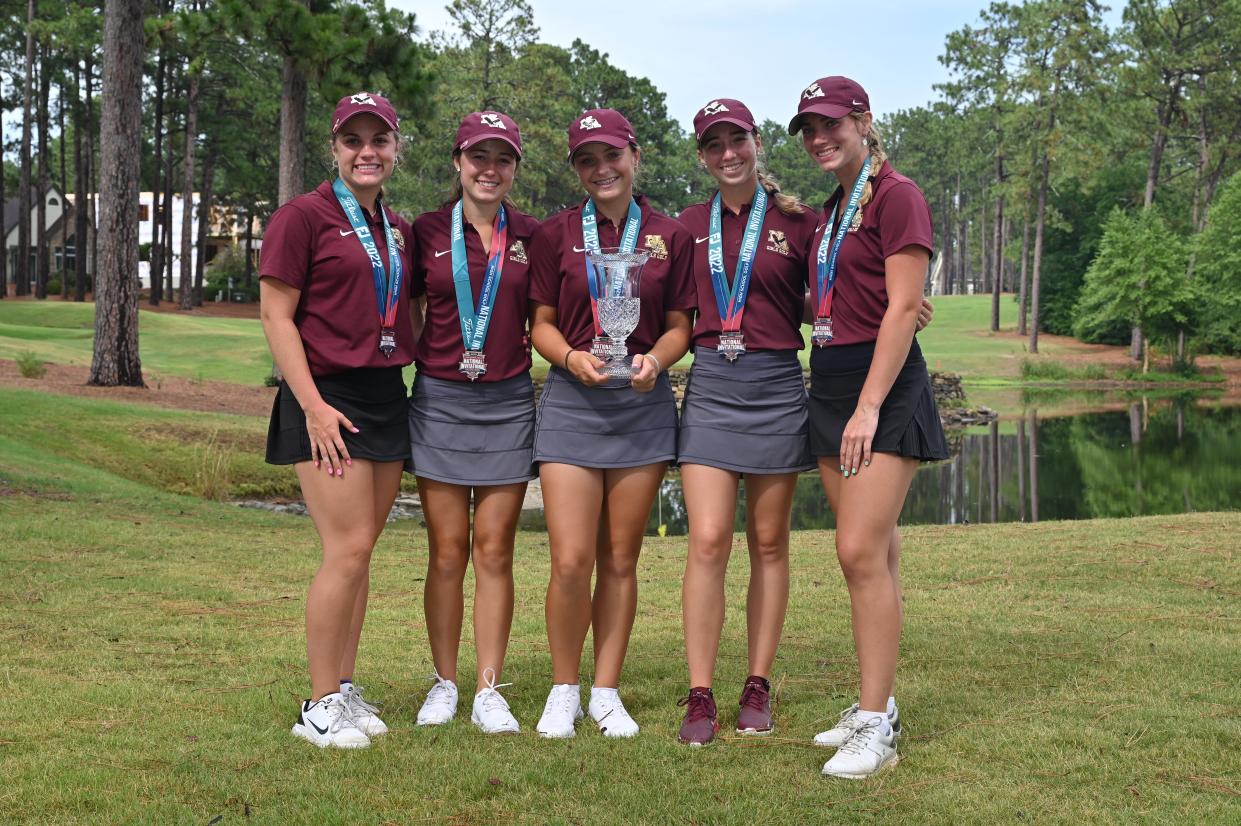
(786, 202)
(874, 143)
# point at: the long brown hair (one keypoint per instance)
(874, 144)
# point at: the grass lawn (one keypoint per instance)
(193, 346)
(1052, 673)
(230, 349)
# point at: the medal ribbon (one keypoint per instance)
(827, 262)
(590, 240)
(731, 302)
(387, 290)
(474, 324)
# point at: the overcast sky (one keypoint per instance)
(695, 51)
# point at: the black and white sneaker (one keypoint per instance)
(329, 722)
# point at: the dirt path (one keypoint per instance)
(174, 393)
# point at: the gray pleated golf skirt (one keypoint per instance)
(612, 426)
(373, 398)
(472, 433)
(909, 423)
(747, 416)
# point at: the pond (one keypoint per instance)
(1148, 457)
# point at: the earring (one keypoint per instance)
(865, 142)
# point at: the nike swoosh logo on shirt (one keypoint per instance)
(698, 240)
(445, 252)
(343, 233)
(819, 227)
(579, 249)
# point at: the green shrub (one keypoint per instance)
(231, 263)
(53, 286)
(30, 365)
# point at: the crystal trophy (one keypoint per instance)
(617, 275)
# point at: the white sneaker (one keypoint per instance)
(609, 713)
(328, 722)
(440, 706)
(562, 709)
(836, 736)
(868, 751)
(491, 712)
(365, 715)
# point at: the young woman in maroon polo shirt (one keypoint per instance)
(335, 308)
(603, 444)
(471, 414)
(872, 414)
(744, 412)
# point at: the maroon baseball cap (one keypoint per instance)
(832, 97)
(722, 110)
(484, 126)
(363, 103)
(602, 125)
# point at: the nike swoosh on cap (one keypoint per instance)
(343, 233)
(445, 252)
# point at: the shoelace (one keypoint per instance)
(754, 696)
(560, 696)
(698, 706)
(355, 699)
(440, 692)
(492, 699)
(846, 717)
(857, 741)
(339, 715)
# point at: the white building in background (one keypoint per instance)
(224, 230)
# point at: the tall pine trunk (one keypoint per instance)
(116, 360)
(80, 231)
(204, 218)
(92, 167)
(4, 253)
(22, 271)
(42, 241)
(292, 131)
(187, 195)
(1036, 273)
(155, 260)
(165, 273)
(64, 192)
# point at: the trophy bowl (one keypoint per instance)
(617, 277)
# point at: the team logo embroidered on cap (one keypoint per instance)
(493, 121)
(714, 108)
(655, 244)
(589, 122)
(776, 242)
(363, 99)
(517, 253)
(813, 91)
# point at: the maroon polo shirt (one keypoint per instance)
(438, 353)
(558, 273)
(310, 245)
(773, 309)
(896, 217)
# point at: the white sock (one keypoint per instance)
(891, 707)
(885, 726)
(603, 693)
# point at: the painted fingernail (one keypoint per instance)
(846, 474)
(842, 468)
(354, 430)
(866, 463)
(855, 471)
(349, 462)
